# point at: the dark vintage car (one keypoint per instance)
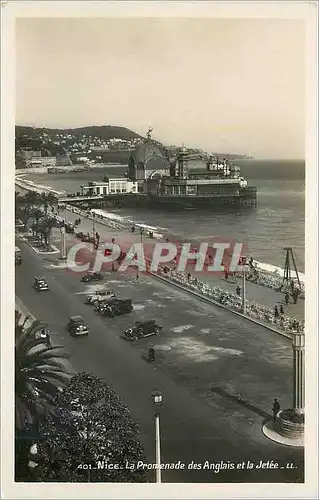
(116, 307)
(142, 329)
(76, 326)
(91, 276)
(40, 285)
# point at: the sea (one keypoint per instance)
(276, 223)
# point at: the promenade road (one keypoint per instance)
(204, 358)
(254, 292)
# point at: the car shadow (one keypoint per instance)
(241, 402)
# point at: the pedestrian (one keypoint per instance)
(275, 408)
(133, 229)
(48, 339)
(189, 276)
(238, 290)
(113, 240)
(295, 295)
(151, 354)
(282, 310)
(287, 298)
(251, 261)
(226, 274)
(276, 312)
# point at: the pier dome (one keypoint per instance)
(148, 160)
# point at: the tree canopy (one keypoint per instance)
(89, 436)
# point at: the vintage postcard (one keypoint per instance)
(159, 249)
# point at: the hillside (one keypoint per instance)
(104, 132)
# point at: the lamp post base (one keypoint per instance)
(288, 428)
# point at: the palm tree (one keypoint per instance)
(32, 200)
(46, 225)
(46, 200)
(40, 373)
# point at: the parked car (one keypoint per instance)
(142, 329)
(77, 327)
(116, 307)
(40, 284)
(99, 296)
(17, 256)
(91, 276)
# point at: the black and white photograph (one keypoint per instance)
(159, 249)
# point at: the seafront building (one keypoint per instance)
(112, 186)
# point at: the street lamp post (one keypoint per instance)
(157, 400)
(141, 234)
(93, 215)
(243, 261)
(298, 346)
(63, 243)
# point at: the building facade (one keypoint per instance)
(112, 186)
(148, 161)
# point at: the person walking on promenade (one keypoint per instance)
(287, 298)
(238, 290)
(275, 408)
(276, 312)
(282, 310)
(226, 274)
(295, 295)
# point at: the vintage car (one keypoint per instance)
(17, 256)
(99, 296)
(77, 327)
(142, 329)
(40, 284)
(116, 307)
(91, 276)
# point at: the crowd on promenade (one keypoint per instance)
(234, 301)
(272, 280)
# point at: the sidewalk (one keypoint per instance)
(21, 308)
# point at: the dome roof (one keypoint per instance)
(146, 151)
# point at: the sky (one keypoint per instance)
(223, 85)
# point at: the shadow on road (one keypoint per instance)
(240, 401)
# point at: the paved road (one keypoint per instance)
(205, 356)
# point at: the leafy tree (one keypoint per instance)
(47, 199)
(89, 429)
(40, 372)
